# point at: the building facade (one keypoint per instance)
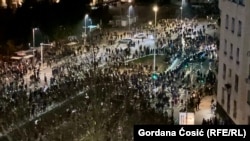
(200, 1)
(10, 3)
(96, 2)
(233, 92)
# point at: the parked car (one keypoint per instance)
(131, 44)
(140, 36)
(125, 41)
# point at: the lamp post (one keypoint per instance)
(85, 23)
(33, 36)
(129, 20)
(182, 39)
(41, 44)
(155, 9)
(181, 13)
(129, 15)
(182, 4)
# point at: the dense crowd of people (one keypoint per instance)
(108, 65)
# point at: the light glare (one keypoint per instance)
(155, 8)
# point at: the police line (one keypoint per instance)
(163, 132)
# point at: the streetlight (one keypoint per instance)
(129, 15)
(155, 9)
(182, 39)
(181, 13)
(150, 23)
(33, 35)
(85, 23)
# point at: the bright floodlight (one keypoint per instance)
(181, 7)
(129, 1)
(155, 8)
(150, 23)
(86, 15)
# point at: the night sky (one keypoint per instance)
(17, 25)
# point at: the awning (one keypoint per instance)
(28, 56)
(16, 58)
(21, 53)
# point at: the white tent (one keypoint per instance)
(16, 58)
(21, 53)
(71, 43)
(28, 56)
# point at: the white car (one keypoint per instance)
(140, 36)
(125, 41)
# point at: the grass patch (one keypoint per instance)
(160, 63)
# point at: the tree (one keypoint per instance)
(10, 47)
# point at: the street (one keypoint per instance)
(93, 73)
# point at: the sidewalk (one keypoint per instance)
(204, 111)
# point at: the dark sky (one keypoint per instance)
(17, 25)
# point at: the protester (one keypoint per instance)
(73, 68)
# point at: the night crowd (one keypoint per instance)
(74, 71)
